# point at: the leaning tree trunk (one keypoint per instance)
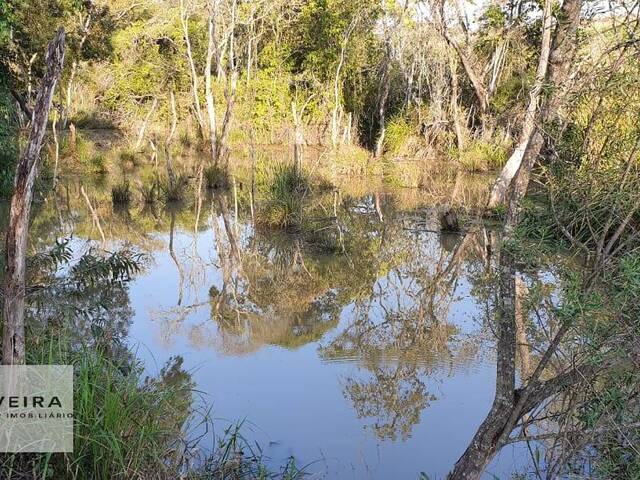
(501, 187)
(484, 444)
(556, 64)
(13, 348)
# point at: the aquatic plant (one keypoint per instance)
(283, 205)
(175, 190)
(149, 192)
(216, 178)
(121, 193)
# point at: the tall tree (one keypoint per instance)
(13, 341)
(559, 56)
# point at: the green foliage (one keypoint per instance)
(397, 133)
(6, 23)
(493, 17)
(117, 267)
(316, 36)
(9, 149)
(481, 156)
(594, 182)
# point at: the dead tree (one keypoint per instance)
(13, 341)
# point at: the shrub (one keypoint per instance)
(9, 134)
(128, 159)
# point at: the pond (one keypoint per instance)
(374, 358)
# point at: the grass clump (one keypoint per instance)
(98, 164)
(285, 196)
(174, 190)
(216, 178)
(126, 425)
(77, 148)
(121, 193)
(398, 132)
(149, 192)
(481, 156)
(402, 174)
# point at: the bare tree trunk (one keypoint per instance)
(74, 68)
(335, 124)
(512, 406)
(483, 445)
(298, 125)
(553, 66)
(382, 102)
(479, 88)
(29, 76)
(54, 129)
(13, 341)
(143, 128)
(174, 117)
(474, 78)
(94, 214)
(211, 106)
(228, 116)
(497, 63)
(298, 136)
(524, 349)
(184, 18)
(454, 103)
(346, 134)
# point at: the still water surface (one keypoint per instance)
(373, 358)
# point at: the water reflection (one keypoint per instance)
(372, 289)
